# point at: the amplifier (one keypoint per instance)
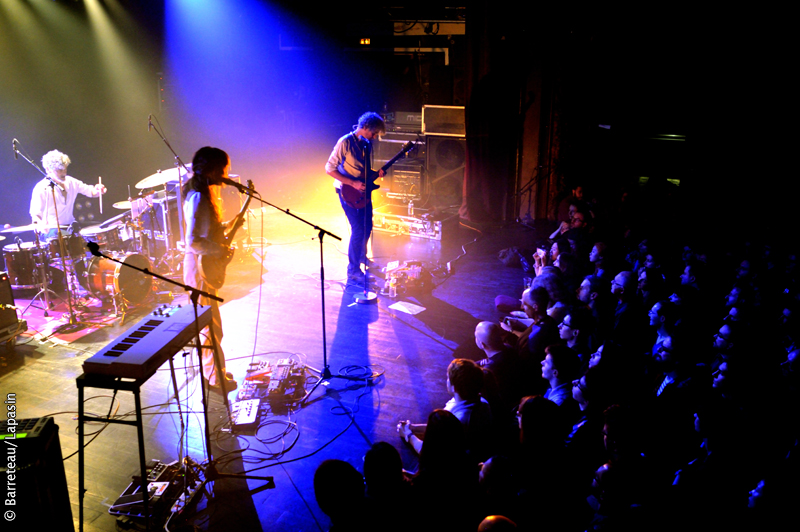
(40, 484)
(8, 316)
(395, 219)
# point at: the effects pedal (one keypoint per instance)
(245, 413)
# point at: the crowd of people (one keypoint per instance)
(645, 380)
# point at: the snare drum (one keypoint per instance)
(106, 237)
(74, 244)
(104, 278)
(21, 261)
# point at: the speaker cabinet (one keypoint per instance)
(8, 316)
(447, 157)
(40, 490)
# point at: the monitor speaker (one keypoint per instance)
(8, 316)
(41, 499)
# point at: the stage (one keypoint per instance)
(272, 311)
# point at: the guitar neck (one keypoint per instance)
(239, 219)
(406, 147)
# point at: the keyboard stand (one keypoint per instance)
(108, 382)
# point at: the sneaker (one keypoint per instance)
(230, 385)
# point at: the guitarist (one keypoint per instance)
(348, 166)
(205, 236)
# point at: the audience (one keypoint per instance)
(640, 420)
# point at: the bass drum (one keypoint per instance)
(104, 278)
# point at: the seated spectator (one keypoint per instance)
(501, 360)
(383, 475)
(576, 330)
(445, 489)
(673, 399)
(497, 523)
(662, 316)
(598, 259)
(339, 490)
(629, 319)
(497, 480)
(464, 382)
(552, 280)
(584, 443)
(388, 489)
(694, 274)
(594, 293)
(651, 287)
(548, 255)
(572, 271)
(531, 341)
(543, 481)
(559, 368)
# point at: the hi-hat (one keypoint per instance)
(162, 177)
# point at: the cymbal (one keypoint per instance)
(2, 238)
(124, 205)
(94, 230)
(162, 177)
(31, 227)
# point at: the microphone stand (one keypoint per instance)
(325, 374)
(172, 253)
(211, 473)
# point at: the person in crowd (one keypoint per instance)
(502, 361)
(662, 319)
(629, 323)
(559, 368)
(576, 330)
(339, 491)
(598, 257)
(464, 382)
(532, 340)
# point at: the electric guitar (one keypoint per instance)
(357, 199)
(212, 267)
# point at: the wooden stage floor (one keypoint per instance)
(271, 313)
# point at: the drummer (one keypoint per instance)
(67, 188)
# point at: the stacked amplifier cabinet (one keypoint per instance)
(433, 172)
(405, 180)
(445, 131)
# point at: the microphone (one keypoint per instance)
(149, 122)
(14, 147)
(18, 240)
(233, 183)
(94, 249)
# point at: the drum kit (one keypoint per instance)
(147, 235)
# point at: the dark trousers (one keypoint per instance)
(360, 230)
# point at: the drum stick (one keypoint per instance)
(100, 192)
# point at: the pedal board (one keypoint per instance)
(168, 486)
(279, 381)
